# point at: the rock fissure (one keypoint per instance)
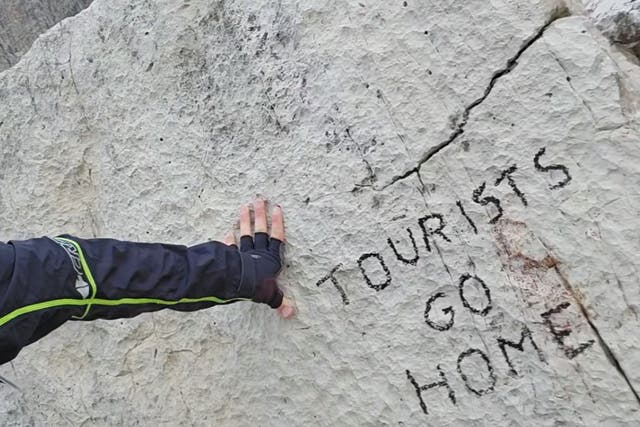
(611, 357)
(497, 75)
(441, 275)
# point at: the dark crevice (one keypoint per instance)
(611, 357)
(462, 122)
(3, 380)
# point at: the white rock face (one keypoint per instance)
(22, 21)
(617, 19)
(462, 195)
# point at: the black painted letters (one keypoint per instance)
(503, 343)
(492, 376)
(485, 201)
(464, 214)
(330, 276)
(447, 310)
(559, 333)
(428, 231)
(442, 383)
(536, 162)
(379, 286)
(461, 286)
(412, 261)
(507, 174)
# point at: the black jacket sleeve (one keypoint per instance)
(45, 282)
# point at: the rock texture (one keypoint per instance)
(22, 21)
(617, 19)
(462, 190)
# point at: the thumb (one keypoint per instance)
(269, 293)
(286, 309)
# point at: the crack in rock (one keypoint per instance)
(611, 357)
(601, 342)
(557, 14)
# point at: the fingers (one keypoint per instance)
(246, 238)
(277, 231)
(277, 223)
(245, 221)
(229, 239)
(260, 226)
(260, 217)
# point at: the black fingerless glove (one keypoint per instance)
(261, 263)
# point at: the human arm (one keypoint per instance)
(45, 282)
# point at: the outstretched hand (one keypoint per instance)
(266, 250)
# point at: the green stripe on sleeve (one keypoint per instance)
(92, 300)
(106, 302)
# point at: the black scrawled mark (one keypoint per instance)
(481, 311)
(261, 43)
(428, 231)
(412, 261)
(464, 214)
(564, 169)
(560, 332)
(332, 278)
(503, 343)
(486, 200)
(427, 310)
(442, 383)
(506, 174)
(492, 376)
(379, 286)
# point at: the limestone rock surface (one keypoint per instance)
(22, 21)
(462, 194)
(617, 19)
